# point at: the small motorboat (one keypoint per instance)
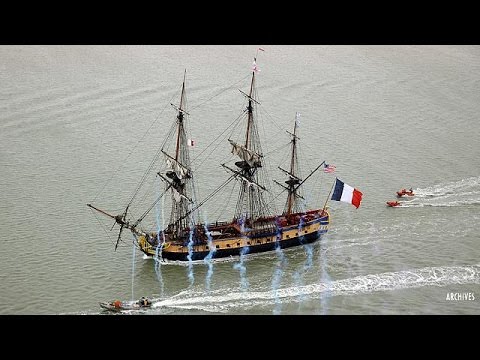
(393, 203)
(117, 305)
(405, 192)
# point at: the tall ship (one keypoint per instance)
(251, 225)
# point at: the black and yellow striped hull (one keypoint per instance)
(284, 237)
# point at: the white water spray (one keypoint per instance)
(240, 265)
(298, 275)
(208, 259)
(158, 250)
(456, 193)
(242, 268)
(189, 257)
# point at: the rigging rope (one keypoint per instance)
(271, 119)
(221, 91)
(152, 206)
(233, 122)
(95, 214)
(152, 163)
(206, 199)
(277, 149)
(222, 209)
(130, 153)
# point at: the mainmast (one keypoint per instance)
(250, 204)
(250, 111)
(180, 117)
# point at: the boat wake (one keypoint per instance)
(224, 300)
(457, 193)
(441, 204)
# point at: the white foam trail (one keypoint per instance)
(388, 281)
(454, 187)
(208, 259)
(457, 193)
(442, 204)
(326, 249)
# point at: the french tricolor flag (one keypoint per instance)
(346, 193)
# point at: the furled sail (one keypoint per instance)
(251, 157)
(178, 196)
(181, 171)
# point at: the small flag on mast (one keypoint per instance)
(329, 168)
(297, 118)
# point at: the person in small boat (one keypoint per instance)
(144, 301)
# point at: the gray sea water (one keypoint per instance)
(81, 124)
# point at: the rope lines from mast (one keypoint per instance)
(270, 117)
(149, 169)
(169, 134)
(206, 199)
(109, 235)
(250, 202)
(221, 210)
(219, 93)
(151, 207)
(281, 147)
(276, 197)
(208, 146)
(133, 149)
(268, 167)
(155, 158)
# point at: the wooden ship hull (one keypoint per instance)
(255, 226)
(247, 242)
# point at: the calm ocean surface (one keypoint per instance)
(81, 124)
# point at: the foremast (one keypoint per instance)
(178, 180)
(178, 176)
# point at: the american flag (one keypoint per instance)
(329, 168)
